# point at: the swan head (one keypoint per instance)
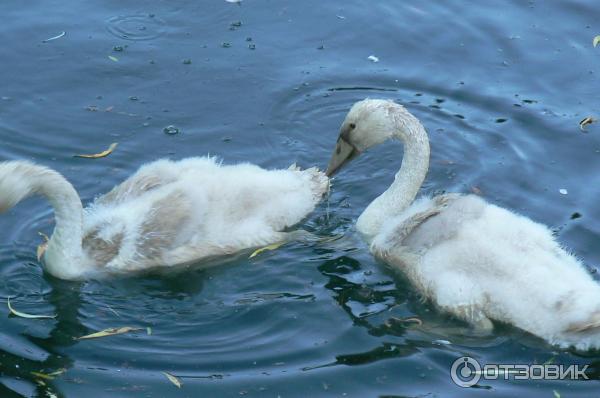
(369, 122)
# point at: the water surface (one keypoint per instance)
(500, 87)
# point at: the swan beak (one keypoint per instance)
(344, 153)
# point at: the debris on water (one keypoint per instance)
(248, 38)
(321, 47)
(501, 120)
(441, 342)
(108, 332)
(252, 46)
(149, 331)
(173, 379)
(225, 44)
(575, 215)
(112, 58)
(24, 315)
(133, 98)
(63, 33)
(373, 58)
(563, 191)
(118, 48)
(234, 1)
(340, 17)
(556, 394)
(187, 61)
(585, 122)
(171, 130)
(406, 322)
(235, 25)
(102, 154)
(596, 40)
(48, 376)
(274, 246)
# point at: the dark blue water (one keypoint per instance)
(500, 86)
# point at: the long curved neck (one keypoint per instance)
(407, 182)
(63, 257)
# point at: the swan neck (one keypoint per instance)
(407, 182)
(63, 256)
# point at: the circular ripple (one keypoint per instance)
(136, 27)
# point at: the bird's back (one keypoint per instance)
(169, 212)
(479, 255)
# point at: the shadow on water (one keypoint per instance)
(65, 297)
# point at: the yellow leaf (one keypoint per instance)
(102, 154)
(41, 249)
(42, 375)
(596, 41)
(556, 394)
(57, 372)
(585, 122)
(108, 332)
(24, 315)
(270, 247)
(173, 379)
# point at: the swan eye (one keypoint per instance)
(352, 126)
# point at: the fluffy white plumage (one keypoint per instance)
(168, 213)
(472, 259)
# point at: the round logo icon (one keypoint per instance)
(465, 372)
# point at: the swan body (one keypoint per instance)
(168, 213)
(472, 259)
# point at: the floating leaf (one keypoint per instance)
(58, 36)
(57, 372)
(113, 58)
(596, 40)
(102, 154)
(41, 249)
(173, 379)
(404, 321)
(108, 332)
(270, 247)
(556, 394)
(24, 315)
(49, 376)
(585, 122)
